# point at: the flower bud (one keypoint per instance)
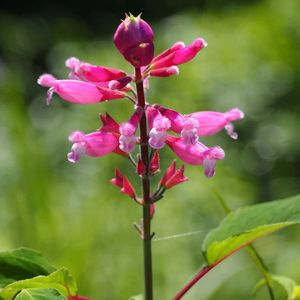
(134, 39)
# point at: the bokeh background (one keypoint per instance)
(74, 216)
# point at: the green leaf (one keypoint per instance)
(296, 293)
(60, 280)
(137, 297)
(23, 263)
(39, 294)
(5, 281)
(243, 226)
(287, 283)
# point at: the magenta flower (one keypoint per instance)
(197, 154)
(209, 122)
(87, 72)
(94, 144)
(77, 91)
(178, 54)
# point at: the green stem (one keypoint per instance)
(263, 269)
(144, 149)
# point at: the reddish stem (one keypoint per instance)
(194, 280)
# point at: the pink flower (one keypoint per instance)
(211, 122)
(134, 39)
(177, 119)
(127, 130)
(164, 72)
(76, 91)
(95, 144)
(188, 133)
(197, 154)
(172, 176)
(158, 132)
(178, 54)
(87, 72)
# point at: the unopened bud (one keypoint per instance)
(134, 39)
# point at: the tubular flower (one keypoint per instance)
(209, 122)
(134, 39)
(87, 72)
(178, 54)
(197, 154)
(77, 91)
(94, 144)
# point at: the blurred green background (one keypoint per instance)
(74, 216)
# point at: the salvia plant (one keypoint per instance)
(150, 128)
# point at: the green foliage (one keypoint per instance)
(40, 279)
(243, 226)
(61, 280)
(137, 297)
(39, 294)
(21, 264)
(290, 286)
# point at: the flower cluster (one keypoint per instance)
(89, 84)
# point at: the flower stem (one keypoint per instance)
(194, 280)
(144, 149)
(263, 269)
